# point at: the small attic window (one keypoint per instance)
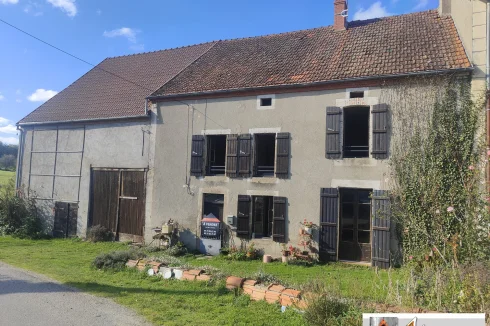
(266, 101)
(357, 94)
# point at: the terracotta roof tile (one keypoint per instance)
(99, 94)
(402, 44)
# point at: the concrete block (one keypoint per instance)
(178, 273)
(267, 259)
(166, 272)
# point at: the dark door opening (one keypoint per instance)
(355, 224)
(262, 212)
(265, 153)
(213, 206)
(356, 132)
(216, 154)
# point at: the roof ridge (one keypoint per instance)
(162, 50)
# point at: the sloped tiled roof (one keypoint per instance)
(117, 87)
(411, 43)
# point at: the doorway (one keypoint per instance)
(355, 224)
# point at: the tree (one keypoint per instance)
(8, 162)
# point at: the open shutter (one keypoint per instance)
(232, 156)
(332, 142)
(243, 216)
(329, 212)
(381, 216)
(279, 219)
(244, 155)
(282, 158)
(380, 131)
(197, 156)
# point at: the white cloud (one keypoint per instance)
(67, 6)
(126, 32)
(18, 101)
(2, 97)
(9, 129)
(9, 2)
(376, 10)
(18, 92)
(98, 12)
(33, 8)
(421, 4)
(4, 121)
(41, 95)
(9, 140)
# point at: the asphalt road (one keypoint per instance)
(30, 299)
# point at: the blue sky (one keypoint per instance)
(31, 72)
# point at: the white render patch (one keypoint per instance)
(361, 101)
(264, 130)
(270, 107)
(365, 184)
(216, 132)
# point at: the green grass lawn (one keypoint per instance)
(168, 302)
(6, 176)
(173, 302)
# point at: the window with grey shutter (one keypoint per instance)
(381, 219)
(244, 155)
(380, 124)
(279, 219)
(329, 212)
(197, 156)
(232, 156)
(333, 140)
(243, 216)
(282, 155)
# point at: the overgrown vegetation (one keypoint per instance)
(99, 233)
(116, 260)
(439, 197)
(331, 311)
(18, 214)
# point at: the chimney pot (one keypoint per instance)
(340, 22)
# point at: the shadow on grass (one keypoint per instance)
(111, 289)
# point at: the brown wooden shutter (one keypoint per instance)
(60, 219)
(279, 219)
(244, 155)
(333, 141)
(232, 156)
(381, 219)
(380, 131)
(72, 220)
(329, 212)
(197, 156)
(243, 216)
(283, 154)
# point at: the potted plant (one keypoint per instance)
(251, 251)
(308, 225)
(285, 253)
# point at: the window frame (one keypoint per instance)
(255, 173)
(269, 107)
(207, 157)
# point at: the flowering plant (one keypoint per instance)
(307, 224)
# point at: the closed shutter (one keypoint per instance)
(380, 131)
(381, 217)
(332, 142)
(72, 220)
(244, 155)
(60, 219)
(329, 212)
(197, 156)
(282, 158)
(232, 156)
(243, 216)
(279, 219)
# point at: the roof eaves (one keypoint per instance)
(20, 124)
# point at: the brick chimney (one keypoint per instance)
(340, 23)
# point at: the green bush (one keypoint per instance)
(18, 214)
(178, 250)
(99, 233)
(328, 311)
(116, 259)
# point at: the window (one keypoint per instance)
(356, 132)
(262, 216)
(265, 153)
(216, 154)
(262, 208)
(266, 101)
(213, 206)
(358, 94)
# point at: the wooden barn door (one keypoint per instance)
(118, 202)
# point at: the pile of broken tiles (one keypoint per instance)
(156, 268)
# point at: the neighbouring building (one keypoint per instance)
(258, 132)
